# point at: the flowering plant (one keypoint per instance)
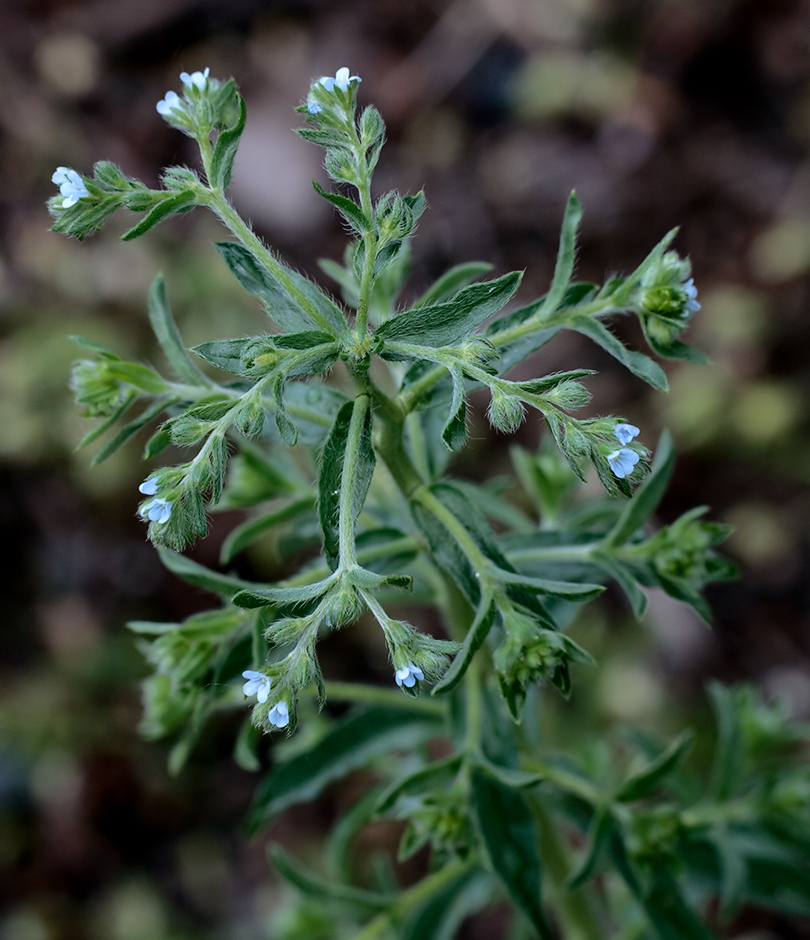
(367, 498)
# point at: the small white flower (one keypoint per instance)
(408, 675)
(198, 79)
(279, 715)
(342, 80)
(313, 107)
(691, 293)
(70, 184)
(622, 461)
(171, 102)
(257, 684)
(149, 487)
(624, 433)
(157, 510)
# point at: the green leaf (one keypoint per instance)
(423, 780)
(727, 749)
(331, 480)
(647, 496)
(348, 208)
(160, 316)
(447, 323)
(131, 429)
(454, 432)
(599, 835)
(285, 596)
(226, 147)
(625, 579)
(141, 377)
(510, 842)
(668, 911)
(244, 749)
(92, 346)
(566, 255)
(452, 281)
(225, 353)
(168, 206)
(644, 781)
(285, 424)
(636, 362)
(478, 632)
(109, 421)
(324, 138)
(350, 742)
(194, 573)
(247, 533)
(568, 589)
(443, 914)
(256, 280)
(319, 890)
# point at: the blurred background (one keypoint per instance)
(659, 112)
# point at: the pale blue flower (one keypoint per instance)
(691, 292)
(149, 487)
(171, 102)
(313, 107)
(157, 510)
(70, 184)
(196, 79)
(257, 684)
(408, 675)
(342, 80)
(622, 461)
(279, 715)
(624, 433)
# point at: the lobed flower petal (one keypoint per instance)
(623, 461)
(625, 433)
(279, 715)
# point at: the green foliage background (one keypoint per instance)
(659, 114)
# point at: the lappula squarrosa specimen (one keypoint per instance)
(353, 470)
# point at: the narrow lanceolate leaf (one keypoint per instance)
(636, 362)
(478, 632)
(140, 376)
(442, 916)
(131, 429)
(510, 842)
(226, 147)
(348, 208)
(199, 575)
(171, 205)
(727, 751)
(336, 473)
(282, 307)
(437, 774)
(318, 889)
(351, 741)
(452, 281)
(570, 590)
(443, 324)
(668, 910)
(647, 496)
(599, 834)
(454, 433)
(160, 316)
(254, 596)
(566, 255)
(644, 781)
(626, 581)
(109, 421)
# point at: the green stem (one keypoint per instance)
(196, 392)
(369, 237)
(414, 896)
(376, 695)
(552, 553)
(347, 551)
